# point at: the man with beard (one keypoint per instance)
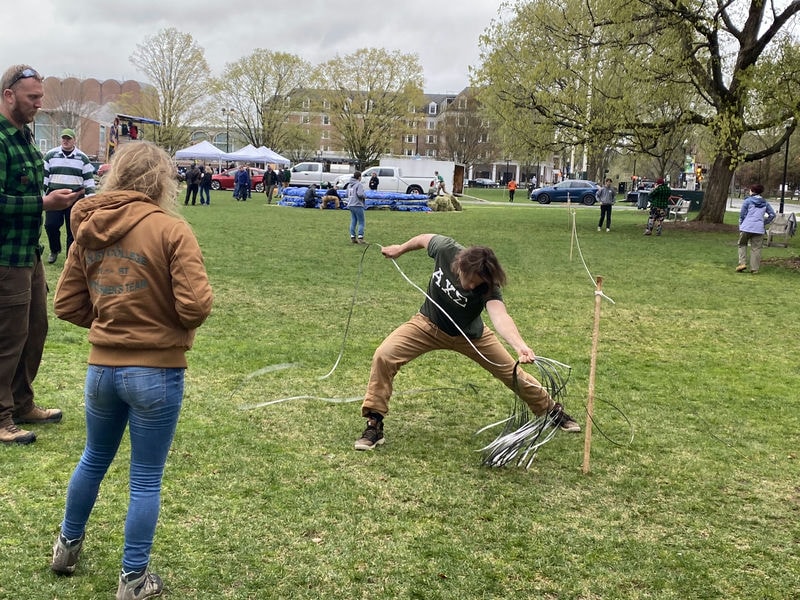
(23, 290)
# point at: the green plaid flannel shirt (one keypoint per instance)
(21, 190)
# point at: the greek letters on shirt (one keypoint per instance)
(448, 288)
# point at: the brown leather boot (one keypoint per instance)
(38, 415)
(11, 434)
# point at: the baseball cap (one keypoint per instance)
(68, 133)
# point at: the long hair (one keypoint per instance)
(481, 261)
(145, 168)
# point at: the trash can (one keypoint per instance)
(623, 186)
(644, 199)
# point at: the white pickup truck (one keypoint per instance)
(320, 173)
(412, 175)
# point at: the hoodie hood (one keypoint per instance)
(102, 220)
(758, 201)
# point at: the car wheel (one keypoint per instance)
(589, 199)
(260, 187)
(215, 185)
(414, 189)
(543, 199)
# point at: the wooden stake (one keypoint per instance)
(587, 440)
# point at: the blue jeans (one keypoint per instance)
(148, 400)
(205, 191)
(357, 219)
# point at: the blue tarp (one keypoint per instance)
(294, 196)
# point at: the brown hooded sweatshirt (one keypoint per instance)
(135, 277)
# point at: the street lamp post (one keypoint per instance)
(788, 126)
(227, 112)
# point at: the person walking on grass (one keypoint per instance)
(754, 215)
(135, 278)
(512, 188)
(659, 202)
(465, 281)
(606, 197)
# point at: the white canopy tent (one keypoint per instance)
(203, 150)
(273, 157)
(259, 155)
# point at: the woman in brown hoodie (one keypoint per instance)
(135, 278)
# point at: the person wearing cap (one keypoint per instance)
(659, 202)
(23, 288)
(65, 168)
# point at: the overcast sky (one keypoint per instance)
(95, 38)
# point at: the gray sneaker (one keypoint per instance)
(65, 555)
(130, 587)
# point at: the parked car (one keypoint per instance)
(482, 182)
(577, 190)
(224, 180)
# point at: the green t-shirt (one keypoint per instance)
(465, 307)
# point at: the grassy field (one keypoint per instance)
(693, 490)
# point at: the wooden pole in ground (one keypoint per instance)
(587, 440)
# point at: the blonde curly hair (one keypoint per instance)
(145, 168)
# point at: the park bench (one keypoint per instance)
(679, 210)
(782, 227)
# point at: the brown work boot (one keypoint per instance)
(11, 434)
(38, 415)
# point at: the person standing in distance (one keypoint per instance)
(512, 187)
(752, 227)
(606, 197)
(193, 177)
(23, 290)
(155, 293)
(65, 167)
(374, 182)
(659, 202)
(356, 198)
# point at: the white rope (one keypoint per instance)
(583, 261)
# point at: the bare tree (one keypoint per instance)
(259, 88)
(464, 133)
(372, 94)
(177, 68)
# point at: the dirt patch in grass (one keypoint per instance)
(704, 227)
(792, 262)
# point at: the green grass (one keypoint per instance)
(272, 502)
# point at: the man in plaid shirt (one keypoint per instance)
(23, 290)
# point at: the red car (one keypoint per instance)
(224, 180)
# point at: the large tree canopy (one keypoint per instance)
(372, 94)
(257, 87)
(177, 68)
(600, 73)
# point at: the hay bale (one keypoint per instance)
(444, 202)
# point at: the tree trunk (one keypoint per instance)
(715, 198)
